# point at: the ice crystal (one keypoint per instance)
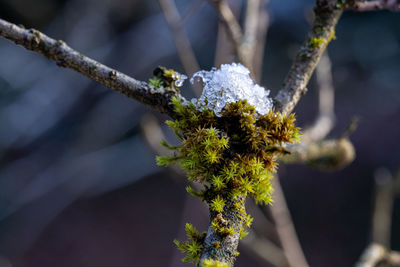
(230, 84)
(178, 78)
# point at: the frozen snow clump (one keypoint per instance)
(230, 84)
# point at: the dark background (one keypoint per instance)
(79, 185)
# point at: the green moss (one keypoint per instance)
(233, 156)
(193, 246)
(316, 42)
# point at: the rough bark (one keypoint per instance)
(327, 14)
(66, 57)
(227, 245)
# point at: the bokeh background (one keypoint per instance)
(78, 183)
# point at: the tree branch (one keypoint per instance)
(262, 28)
(182, 43)
(327, 14)
(226, 251)
(376, 255)
(326, 154)
(250, 32)
(382, 216)
(391, 5)
(233, 28)
(285, 228)
(66, 57)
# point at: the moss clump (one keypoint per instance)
(233, 156)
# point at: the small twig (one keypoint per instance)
(232, 25)
(351, 127)
(329, 154)
(285, 228)
(376, 255)
(185, 51)
(249, 42)
(325, 120)
(225, 51)
(262, 28)
(382, 217)
(327, 14)
(391, 5)
(65, 56)
(378, 252)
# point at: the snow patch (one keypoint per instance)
(230, 84)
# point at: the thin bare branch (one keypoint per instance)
(326, 116)
(378, 252)
(376, 255)
(382, 216)
(285, 228)
(262, 28)
(182, 43)
(329, 154)
(391, 5)
(250, 31)
(225, 51)
(66, 57)
(327, 14)
(232, 25)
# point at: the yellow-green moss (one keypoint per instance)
(193, 246)
(316, 42)
(233, 156)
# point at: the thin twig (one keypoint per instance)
(331, 154)
(327, 14)
(65, 56)
(225, 51)
(378, 252)
(391, 5)
(182, 43)
(262, 28)
(382, 216)
(376, 255)
(250, 32)
(285, 228)
(232, 25)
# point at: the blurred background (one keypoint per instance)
(78, 181)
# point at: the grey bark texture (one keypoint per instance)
(67, 57)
